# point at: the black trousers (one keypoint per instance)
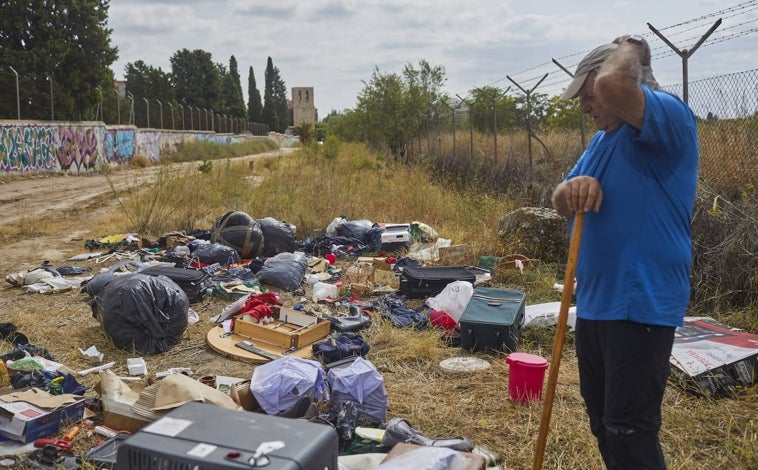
(623, 369)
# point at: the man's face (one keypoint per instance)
(589, 105)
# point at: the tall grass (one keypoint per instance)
(309, 190)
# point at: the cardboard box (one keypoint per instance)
(710, 358)
(475, 462)
(117, 399)
(291, 329)
(24, 422)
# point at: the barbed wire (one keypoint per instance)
(658, 50)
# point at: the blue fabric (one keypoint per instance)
(634, 259)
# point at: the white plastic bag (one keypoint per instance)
(453, 299)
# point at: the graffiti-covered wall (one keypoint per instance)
(81, 147)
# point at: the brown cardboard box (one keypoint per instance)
(475, 462)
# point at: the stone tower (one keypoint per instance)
(303, 107)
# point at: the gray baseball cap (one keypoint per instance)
(588, 64)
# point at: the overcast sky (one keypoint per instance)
(335, 45)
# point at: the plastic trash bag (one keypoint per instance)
(285, 270)
(277, 385)
(141, 313)
(453, 299)
(278, 236)
(361, 383)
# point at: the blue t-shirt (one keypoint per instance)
(635, 253)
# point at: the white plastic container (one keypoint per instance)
(324, 290)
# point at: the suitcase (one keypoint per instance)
(493, 319)
(417, 282)
(192, 281)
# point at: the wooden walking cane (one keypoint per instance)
(560, 333)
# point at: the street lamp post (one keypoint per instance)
(52, 108)
(18, 99)
(173, 127)
(147, 106)
(160, 105)
(181, 109)
(118, 105)
(131, 107)
(99, 111)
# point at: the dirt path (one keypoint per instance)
(79, 198)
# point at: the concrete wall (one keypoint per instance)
(81, 147)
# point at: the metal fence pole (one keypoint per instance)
(18, 99)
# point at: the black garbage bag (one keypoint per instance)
(285, 270)
(278, 236)
(239, 231)
(142, 313)
(211, 253)
(358, 229)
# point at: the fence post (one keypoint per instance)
(685, 54)
(581, 114)
(529, 116)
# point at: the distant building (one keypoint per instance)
(120, 87)
(303, 106)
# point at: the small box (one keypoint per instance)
(291, 329)
(493, 319)
(25, 422)
(474, 462)
(136, 366)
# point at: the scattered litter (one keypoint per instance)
(92, 353)
(542, 315)
(136, 366)
(85, 256)
(96, 369)
(464, 364)
(174, 370)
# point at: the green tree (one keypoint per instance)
(254, 103)
(563, 114)
(233, 103)
(485, 101)
(144, 81)
(65, 40)
(275, 111)
(392, 108)
(197, 79)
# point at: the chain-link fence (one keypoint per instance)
(727, 111)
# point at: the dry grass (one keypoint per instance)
(310, 191)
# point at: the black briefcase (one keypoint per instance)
(417, 282)
(193, 282)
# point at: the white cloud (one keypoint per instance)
(334, 45)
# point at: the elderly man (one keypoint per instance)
(636, 182)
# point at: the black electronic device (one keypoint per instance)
(197, 435)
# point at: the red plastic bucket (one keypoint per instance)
(525, 377)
